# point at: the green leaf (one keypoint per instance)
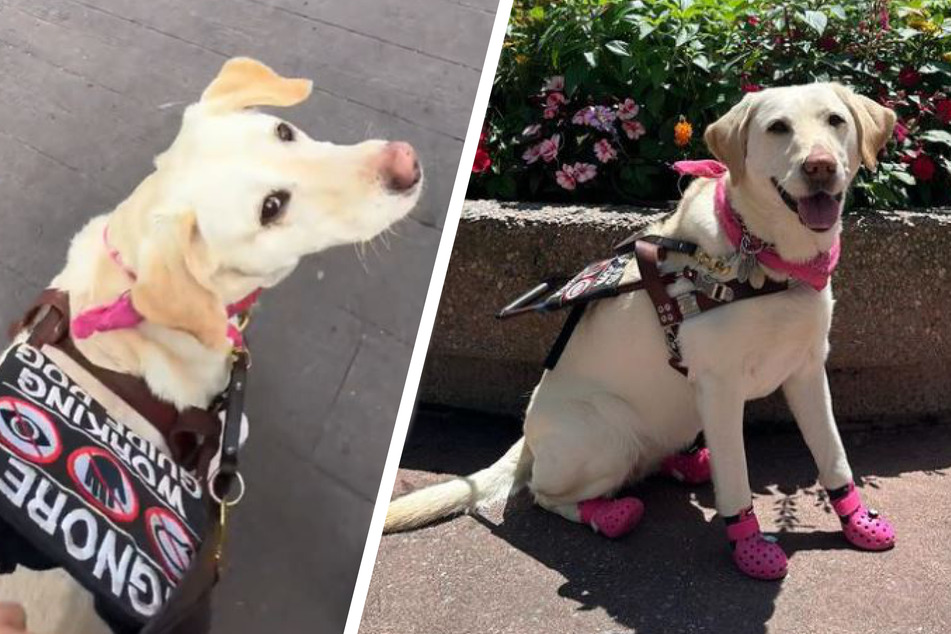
(591, 58)
(904, 177)
(646, 29)
(838, 11)
(507, 187)
(537, 13)
(655, 101)
(936, 136)
(575, 77)
(701, 61)
(619, 47)
(817, 20)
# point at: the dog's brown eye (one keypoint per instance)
(285, 132)
(778, 127)
(273, 206)
(835, 120)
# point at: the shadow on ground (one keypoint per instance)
(521, 569)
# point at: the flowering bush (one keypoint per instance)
(593, 99)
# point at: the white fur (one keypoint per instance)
(218, 171)
(612, 409)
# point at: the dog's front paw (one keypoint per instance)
(863, 527)
(756, 555)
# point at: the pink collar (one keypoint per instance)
(815, 272)
(121, 313)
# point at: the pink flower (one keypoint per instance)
(605, 151)
(555, 84)
(752, 20)
(901, 131)
(566, 177)
(551, 112)
(584, 172)
(748, 87)
(531, 130)
(549, 148)
(570, 176)
(555, 99)
(633, 129)
(627, 110)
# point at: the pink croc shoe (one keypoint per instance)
(689, 467)
(862, 526)
(756, 555)
(612, 518)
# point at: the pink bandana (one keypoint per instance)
(815, 272)
(122, 314)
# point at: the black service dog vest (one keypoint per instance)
(82, 491)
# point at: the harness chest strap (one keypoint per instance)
(672, 311)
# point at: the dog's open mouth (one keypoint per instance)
(818, 212)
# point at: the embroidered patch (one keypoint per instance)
(597, 280)
(89, 493)
(100, 478)
(171, 541)
(28, 431)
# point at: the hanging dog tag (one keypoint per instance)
(747, 263)
(747, 257)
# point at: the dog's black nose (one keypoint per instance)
(400, 167)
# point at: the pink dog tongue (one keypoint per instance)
(819, 211)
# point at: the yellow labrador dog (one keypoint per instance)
(612, 409)
(232, 206)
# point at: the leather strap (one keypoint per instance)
(650, 254)
(192, 435)
(649, 258)
(745, 526)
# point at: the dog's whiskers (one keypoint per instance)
(360, 250)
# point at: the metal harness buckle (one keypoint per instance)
(713, 289)
(688, 305)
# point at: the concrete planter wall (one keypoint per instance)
(891, 339)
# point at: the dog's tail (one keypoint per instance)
(459, 495)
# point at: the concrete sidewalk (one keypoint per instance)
(521, 570)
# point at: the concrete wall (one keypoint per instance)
(891, 337)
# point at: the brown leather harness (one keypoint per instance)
(651, 252)
(193, 437)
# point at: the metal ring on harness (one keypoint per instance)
(213, 493)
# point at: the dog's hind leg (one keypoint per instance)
(584, 451)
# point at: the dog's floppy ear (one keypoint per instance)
(244, 82)
(726, 137)
(168, 290)
(873, 123)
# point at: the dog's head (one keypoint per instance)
(800, 146)
(244, 195)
